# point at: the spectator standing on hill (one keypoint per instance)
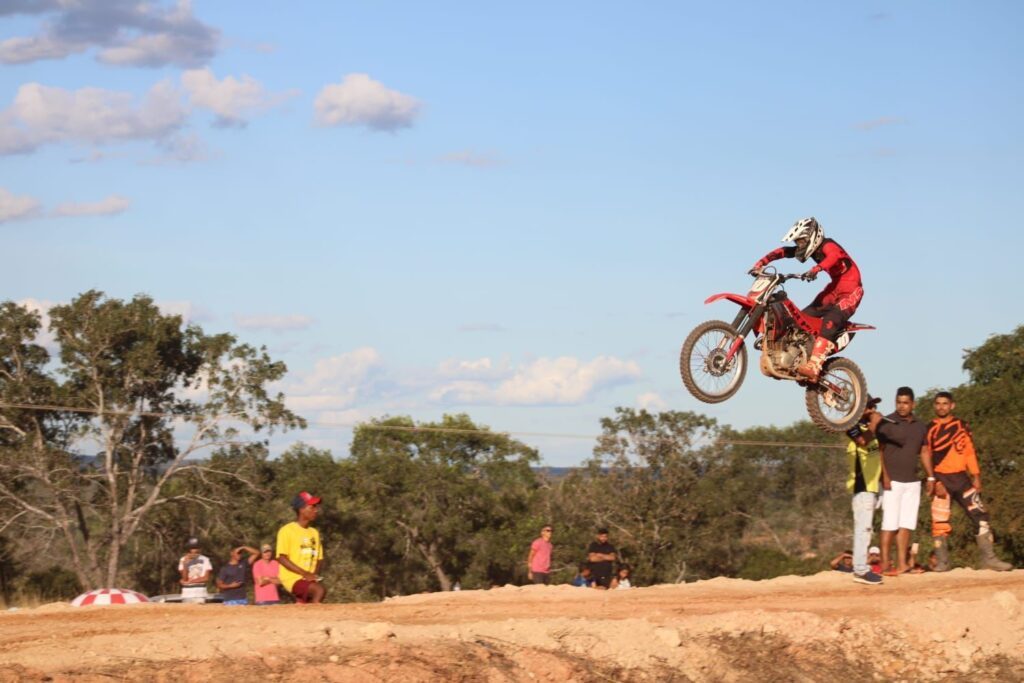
(602, 557)
(901, 437)
(959, 479)
(195, 571)
(864, 462)
(300, 552)
(538, 563)
(231, 577)
(265, 579)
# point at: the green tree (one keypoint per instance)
(133, 398)
(798, 498)
(431, 499)
(665, 493)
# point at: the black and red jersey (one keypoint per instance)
(831, 258)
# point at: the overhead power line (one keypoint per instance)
(413, 428)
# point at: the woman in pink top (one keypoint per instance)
(538, 564)
(264, 575)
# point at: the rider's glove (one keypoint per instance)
(809, 275)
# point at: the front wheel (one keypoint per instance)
(837, 401)
(706, 371)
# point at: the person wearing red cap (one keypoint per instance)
(300, 553)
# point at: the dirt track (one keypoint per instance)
(964, 624)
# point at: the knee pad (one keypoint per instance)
(972, 500)
(940, 516)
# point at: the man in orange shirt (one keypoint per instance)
(959, 478)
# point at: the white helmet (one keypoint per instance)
(808, 231)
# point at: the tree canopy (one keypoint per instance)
(134, 430)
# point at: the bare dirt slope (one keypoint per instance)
(961, 625)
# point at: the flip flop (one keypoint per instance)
(891, 572)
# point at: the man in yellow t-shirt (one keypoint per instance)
(300, 553)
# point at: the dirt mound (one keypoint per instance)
(963, 624)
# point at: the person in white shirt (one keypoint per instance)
(621, 580)
(195, 571)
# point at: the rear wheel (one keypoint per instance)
(706, 372)
(837, 401)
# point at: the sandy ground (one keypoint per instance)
(963, 625)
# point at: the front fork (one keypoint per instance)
(743, 323)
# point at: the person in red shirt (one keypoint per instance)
(265, 577)
(538, 563)
(959, 478)
(837, 302)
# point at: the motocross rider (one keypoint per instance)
(834, 304)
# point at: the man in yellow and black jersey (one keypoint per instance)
(958, 478)
(864, 482)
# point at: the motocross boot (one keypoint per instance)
(941, 544)
(988, 554)
(812, 368)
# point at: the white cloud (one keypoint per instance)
(361, 101)
(14, 207)
(114, 204)
(480, 368)
(275, 323)
(343, 369)
(41, 114)
(128, 32)
(46, 338)
(651, 401)
(545, 381)
(233, 100)
(334, 383)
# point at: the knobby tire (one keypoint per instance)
(686, 371)
(813, 396)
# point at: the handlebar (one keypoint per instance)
(758, 272)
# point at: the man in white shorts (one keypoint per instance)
(902, 438)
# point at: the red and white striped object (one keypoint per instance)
(109, 596)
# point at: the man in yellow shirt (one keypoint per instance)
(300, 553)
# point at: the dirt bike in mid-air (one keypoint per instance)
(713, 361)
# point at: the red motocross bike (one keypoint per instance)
(713, 361)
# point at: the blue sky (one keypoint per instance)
(514, 212)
